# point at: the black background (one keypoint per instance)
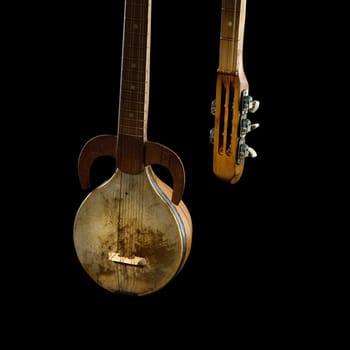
(250, 267)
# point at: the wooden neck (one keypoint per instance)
(134, 85)
(231, 36)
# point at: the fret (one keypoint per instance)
(134, 123)
(130, 131)
(134, 106)
(134, 68)
(135, 103)
(133, 86)
(137, 60)
(135, 53)
(136, 19)
(134, 25)
(133, 75)
(134, 46)
(132, 113)
(132, 116)
(134, 64)
(133, 98)
(131, 101)
(137, 36)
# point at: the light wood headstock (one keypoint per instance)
(232, 103)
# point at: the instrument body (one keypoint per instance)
(232, 102)
(133, 233)
(133, 216)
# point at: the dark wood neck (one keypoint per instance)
(134, 85)
(231, 36)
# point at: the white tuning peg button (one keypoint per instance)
(253, 106)
(247, 126)
(254, 126)
(246, 151)
(251, 152)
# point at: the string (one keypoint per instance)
(118, 207)
(143, 50)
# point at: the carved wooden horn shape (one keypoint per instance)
(156, 153)
(98, 146)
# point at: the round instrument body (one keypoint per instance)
(128, 235)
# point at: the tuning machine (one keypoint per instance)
(213, 107)
(248, 105)
(212, 112)
(247, 126)
(253, 105)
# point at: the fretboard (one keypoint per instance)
(231, 35)
(134, 84)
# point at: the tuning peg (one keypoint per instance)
(211, 135)
(246, 151)
(213, 107)
(247, 126)
(251, 152)
(253, 106)
(254, 126)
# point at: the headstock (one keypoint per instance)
(233, 103)
(231, 109)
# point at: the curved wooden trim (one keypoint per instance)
(156, 153)
(98, 146)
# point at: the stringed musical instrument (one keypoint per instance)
(133, 233)
(232, 102)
